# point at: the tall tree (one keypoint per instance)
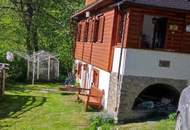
(39, 24)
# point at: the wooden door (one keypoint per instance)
(96, 78)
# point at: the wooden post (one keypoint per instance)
(49, 62)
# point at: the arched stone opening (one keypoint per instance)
(157, 97)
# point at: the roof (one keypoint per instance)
(95, 5)
(171, 4)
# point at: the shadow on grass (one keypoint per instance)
(13, 106)
(67, 94)
(151, 117)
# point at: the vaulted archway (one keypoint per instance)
(158, 97)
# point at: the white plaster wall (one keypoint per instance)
(78, 79)
(116, 60)
(104, 78)
(140, 62)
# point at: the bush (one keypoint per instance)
(103, 121)
(172, 117)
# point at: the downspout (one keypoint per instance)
(119, 83)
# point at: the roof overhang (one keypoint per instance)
(94, 6)
(102, 3)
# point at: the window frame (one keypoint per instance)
(79, 32)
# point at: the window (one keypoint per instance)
(90, 31)
(154, 32)
(96, 78)
(86, 29)
(79, 32)
(95, 30)
(98, 29)
(79, 70)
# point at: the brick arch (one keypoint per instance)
(157, 92)
(132, 86)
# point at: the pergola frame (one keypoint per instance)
(36, 58)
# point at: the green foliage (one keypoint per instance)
(103, 121)
(40, 107)
(172, 117)
(54, 32)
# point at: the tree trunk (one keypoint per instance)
(32, 34)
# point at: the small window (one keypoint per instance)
(154, 32)
(98, 29)
(101, 29)
(95, 30)
(79, 32)
(90, 31)
(86, 28)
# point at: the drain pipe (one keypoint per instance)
(119, 83)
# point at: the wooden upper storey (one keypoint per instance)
(94, 40)
(98, 35)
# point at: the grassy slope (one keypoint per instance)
(31, 108)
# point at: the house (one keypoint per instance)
(137, 51)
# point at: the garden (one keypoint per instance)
(45, 107)
(27, 27)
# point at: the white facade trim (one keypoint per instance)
(138, 62)
(104, 80)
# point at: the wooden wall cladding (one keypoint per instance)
(186, 37)
(87, 52)
(178, 41)
(79, 50)
(98, 54)
(135, 23)
(101, 51)
(174, 39)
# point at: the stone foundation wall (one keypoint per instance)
(131, 87)
(112, 93)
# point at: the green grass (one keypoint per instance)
(41, 107)
(165, 124)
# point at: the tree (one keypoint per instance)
(39, 24)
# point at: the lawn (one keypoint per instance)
(44, 107)
(41, 107)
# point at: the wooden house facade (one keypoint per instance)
(134, 49)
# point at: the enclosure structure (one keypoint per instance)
(3, 68)
(42, 66)
(133, 49)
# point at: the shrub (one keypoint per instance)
(103, 121)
